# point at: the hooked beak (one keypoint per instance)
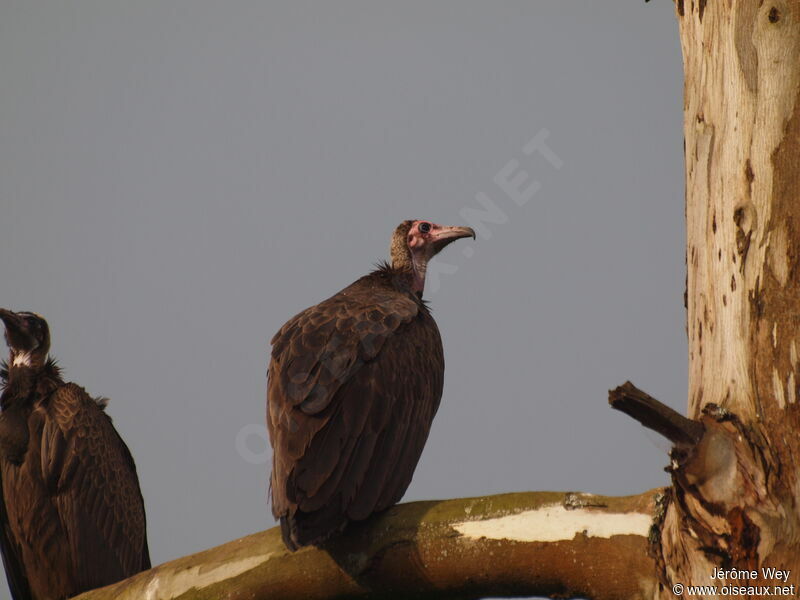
(18, 337)
(445, 235)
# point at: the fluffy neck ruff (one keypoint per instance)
(18, 382)
(403, 259)
(21, 359)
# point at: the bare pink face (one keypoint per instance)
(426, 239)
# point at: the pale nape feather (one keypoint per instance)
(21, 359)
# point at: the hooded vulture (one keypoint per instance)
(71, 513)
(353, 385)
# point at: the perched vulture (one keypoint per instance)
(72, 516)
(354, 384)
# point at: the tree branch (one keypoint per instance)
(655, 415)
(537, 543)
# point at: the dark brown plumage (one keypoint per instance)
(72, 515)
(354, 384)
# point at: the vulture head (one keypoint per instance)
(28, 337)
(414, 243)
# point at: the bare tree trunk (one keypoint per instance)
(736, 491)
(734, 500)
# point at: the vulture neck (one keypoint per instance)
(20, 381)
(413, 269)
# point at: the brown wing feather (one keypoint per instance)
(404, 386)
(313, 354)
(12, 556)
(89, 472)
(354, 383)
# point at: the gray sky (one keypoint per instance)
(178, 179)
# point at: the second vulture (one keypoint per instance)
(71, 513)
(354, 384)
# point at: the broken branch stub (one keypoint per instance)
(655, 415)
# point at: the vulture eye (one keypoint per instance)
(425, 227)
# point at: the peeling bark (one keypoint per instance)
(556, 544)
